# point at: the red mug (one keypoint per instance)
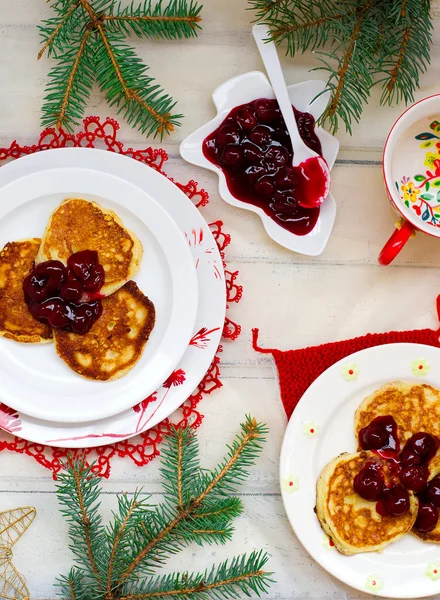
(411, 171)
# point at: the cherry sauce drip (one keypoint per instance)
(254, 151)
(53, 292)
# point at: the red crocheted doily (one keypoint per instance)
(143, 448)
(297, 369)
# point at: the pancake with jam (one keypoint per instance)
(361, 505)
(414, 407)
(16, 322)
(78, 225)
(116, 340)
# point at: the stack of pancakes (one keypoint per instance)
(116, 341)
(353, 524)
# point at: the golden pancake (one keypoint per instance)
(353, 524)
(81, 225)
(116, 341)
(16, 322)
(414, 407)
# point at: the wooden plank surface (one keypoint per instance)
(295, 300)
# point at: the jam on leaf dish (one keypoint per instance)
(253, 149)
(53, 292)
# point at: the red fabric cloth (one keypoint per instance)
(297, 369)
(143, 448)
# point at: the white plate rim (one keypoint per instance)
(211, 313)
(300, 516)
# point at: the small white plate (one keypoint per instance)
(321, 427)
(34, 379)
(241, 90)
(209, 321)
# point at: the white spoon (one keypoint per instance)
(312, 169)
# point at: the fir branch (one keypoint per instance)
(87, 37)
(73, 586)
(148, 19)
(242, 453)
(78, 493)
(361, 43)
(243, 575)
(142, 102)
(57, 28)
(141, 537)
(179, 465)
(408, 42)
(69, 87)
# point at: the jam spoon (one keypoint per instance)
(312, 170)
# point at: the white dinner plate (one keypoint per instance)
(321, 427)
(34, 380)
(209, 320)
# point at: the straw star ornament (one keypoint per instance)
(87, 37)
(13, 524)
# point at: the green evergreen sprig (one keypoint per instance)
(119, 562)
(87, 37)
(360, 43)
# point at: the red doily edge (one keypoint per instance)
(143, 448)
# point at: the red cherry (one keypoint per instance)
(286, 179)
(380, 434)
(369, 482)
(265, 186)
(252, 154)
(96, 279)
(229, 134)
(414, 478)
(261, 135)
(264, 110)
(85, 316)
(246, 118)
(35, 287)
(232, 155)
(276, 157)
(54, 270)
(72, 289)
(408, 458)
(80, 263)
(433, 492)
(427, 517)
(394, 501)
(254, 172)
(423, 444)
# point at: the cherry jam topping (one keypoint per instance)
(380, 434)
(53, 292)
(369, 482)
(254, 151)
(407, 470)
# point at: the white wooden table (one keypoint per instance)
(295, 300)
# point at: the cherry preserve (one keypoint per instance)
(254, 151)
(408, 470)
(54, 293)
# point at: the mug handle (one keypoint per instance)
(396, 242)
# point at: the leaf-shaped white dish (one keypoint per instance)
(241, 90)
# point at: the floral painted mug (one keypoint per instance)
(411, 170)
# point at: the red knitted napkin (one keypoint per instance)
(297, 369)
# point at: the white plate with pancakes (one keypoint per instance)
(88, 169)
(321, 428)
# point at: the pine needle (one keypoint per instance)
(88, 39)
(360, 43)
